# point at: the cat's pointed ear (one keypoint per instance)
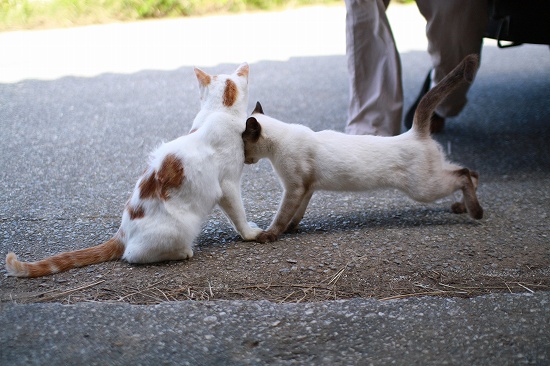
(253, 130)
(258, 109)
(203, 78)
(243, 70)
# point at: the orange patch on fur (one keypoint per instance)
(202, 77)
(243, 71)
(148, 187)
(157, 184)
(170, 175)
(135, 213)
(230, 93)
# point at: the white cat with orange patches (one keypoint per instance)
(413, 162)
(186, 178)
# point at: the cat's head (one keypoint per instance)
(224, 92)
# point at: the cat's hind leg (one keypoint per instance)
(459, 207)
(468, 184)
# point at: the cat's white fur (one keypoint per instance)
(412, 162)
(185, 179)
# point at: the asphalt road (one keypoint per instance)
(490, 330)
(81, 108)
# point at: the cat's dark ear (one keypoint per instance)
(203, 78)
(253, 130)
(258, 108)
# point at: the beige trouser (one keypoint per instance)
(454, 29)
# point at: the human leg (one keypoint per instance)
(376, 93)
(454, 29)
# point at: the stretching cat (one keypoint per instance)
(306, 161)
(185, 179)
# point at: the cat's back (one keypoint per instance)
(188, 154)
(354, 162)
(343, 146)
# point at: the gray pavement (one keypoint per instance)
(488, 330)
(73, 138)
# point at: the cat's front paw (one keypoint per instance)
(266, 237)
(251, 232)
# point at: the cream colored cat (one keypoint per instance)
(183, 182)
(413, 162)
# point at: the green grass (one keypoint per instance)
(39, 14)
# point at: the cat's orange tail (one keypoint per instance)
(465, 71)
(110, 250)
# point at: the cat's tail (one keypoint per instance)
(466, 70)
(110, 250)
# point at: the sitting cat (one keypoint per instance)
(185, 179)
(306, 161)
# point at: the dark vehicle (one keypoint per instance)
(514, 22)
